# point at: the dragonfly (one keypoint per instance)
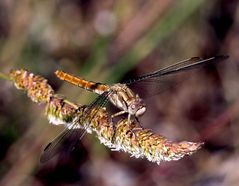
(118, 94)
(122, 96)
(117, 136)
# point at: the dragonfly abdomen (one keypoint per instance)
(98, 88)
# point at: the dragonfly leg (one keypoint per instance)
(129, 116)
(137, 119)
(113, 137)
(118, 114)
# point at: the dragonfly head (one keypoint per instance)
(137, 107)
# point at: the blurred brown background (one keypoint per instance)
(111, 41)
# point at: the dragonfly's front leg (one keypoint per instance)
(121, 113)
(118, 114)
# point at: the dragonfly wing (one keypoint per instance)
(61, 143)
(57, 144)
(178, 67)
(101, 100)
(154, 86)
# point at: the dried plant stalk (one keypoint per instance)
(120, 136)
(36, 86)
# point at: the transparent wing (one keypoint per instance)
(57, 144)
(178, 67)
(154, 86)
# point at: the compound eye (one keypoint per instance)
(140, 112)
